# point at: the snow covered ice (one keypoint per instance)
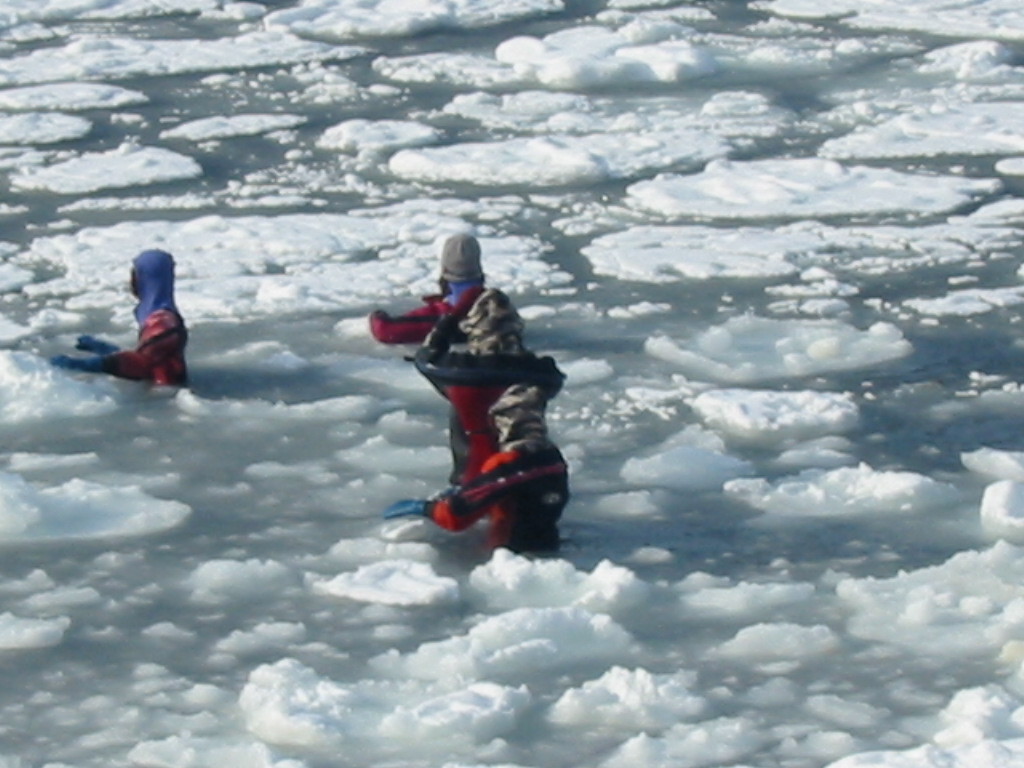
(777, 247)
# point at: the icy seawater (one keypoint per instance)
(777, 246)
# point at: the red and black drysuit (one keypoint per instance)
(523, 491)
(160, 354)
(413, 326)
(472, 383)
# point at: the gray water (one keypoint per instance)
(86, 701)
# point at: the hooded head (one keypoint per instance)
(492, 325)
(153, 283)
(460, 259)
(518, 417)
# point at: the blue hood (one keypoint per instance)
(153, 273)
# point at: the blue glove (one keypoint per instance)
(89, 364)
(406, 508)
(92, 344)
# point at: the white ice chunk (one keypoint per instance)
(190, 751)
(1002, 465)
(976, 714)
(81, 509)
(667, 254)
(743, 600)
(778, 641)
(220, 581)
(327, 19)
(802, 188)
(967, 607)
(482, 711)
(18, 633)
(230, 126)
(990, 754)
(630, 700)
(953, 129)
(510, 581)
(555, 160)
(723, 741)
(749, 349)
(990, 19)
(375, 136)
(127, 166)
(1002, 510)
(846, 491)
(524, 641)
(70, 97)
(391, 582)
(288, 703)
(42, 128)
(777, 416)
(33, 390)
(88, 57)
(684, 468)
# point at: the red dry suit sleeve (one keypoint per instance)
(411, 327)
(443, 512)
(160, 354)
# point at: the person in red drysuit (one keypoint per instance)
(159, 355)
(471, 380)
(522, 487)
(461, 282)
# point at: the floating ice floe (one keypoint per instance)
(555, 161)
(584, 57)
(961, 130)
(327, 20)
(842, 492)
(24, 11)
(70, 97)
(514, 645)
(242, 266)
(719, 598)
(127, 166)
(684, 468)
(32, 390)
(665, 254)
(1003, 465)
(1006, 753)
(510, 581)
(189, 751)
(967, 302)
(630, 700)
(802, 188)
(81, 509)
(288, 703)
(776, 416)
(974, 597)
(98, 58)
(748, 349)
(221, 581)
(34, 128)
(374, 136)
(1002, 510)
(19, 633)
(991, 19)
(391, 582)
(230, 126)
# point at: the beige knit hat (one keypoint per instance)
(518, 416)
(493, 326)
(460, 259)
